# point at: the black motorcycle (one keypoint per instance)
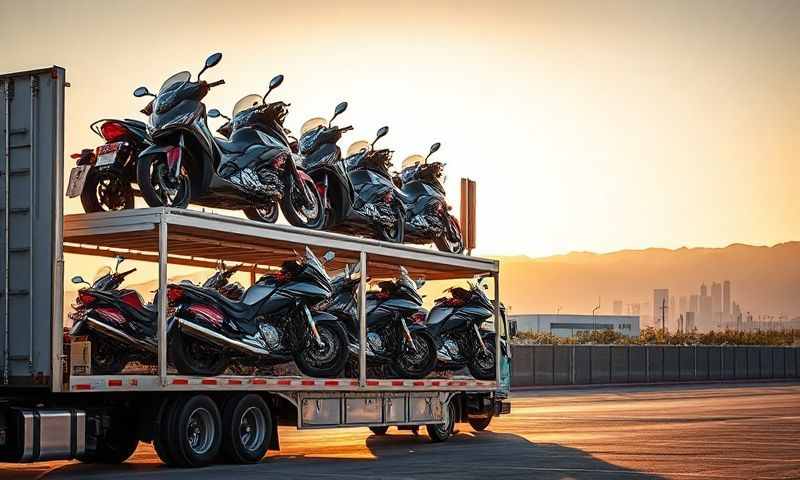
(252, 171)
(103, 176)
(456, 324)
(273, 323)
(428, 216)
(396, 333)
(357, 191)
(121, 327)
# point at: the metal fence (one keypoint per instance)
(534, 365)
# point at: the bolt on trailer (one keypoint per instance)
(49, 409)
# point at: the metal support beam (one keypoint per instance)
(362, 321)
(498, 327)
(162, 299)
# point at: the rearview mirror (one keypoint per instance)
(78, 279)
(420, 282)
(214, 113)
(142, 92)
(338, 111)
(328, 256)
(273, 84)
(119, 259)
(434, 149)
(211, 61)
(381, 133)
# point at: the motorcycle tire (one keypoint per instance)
(445, 244)
(297, 215)
(426, 353)
(184, 353)
(90, 196)
(266, 214)
(328, 361)
(147, 169)
(479, 366)
(396, 234)
(107, 358)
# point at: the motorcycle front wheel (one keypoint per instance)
(482, 365)
(396, 232)
(107, 358)
(419, 361)
(451, 240)
(194, 357)
(327, 360)
(268, 213)
(158, 187)
(295, 209)
(106, 191)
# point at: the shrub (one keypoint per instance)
(655, 336)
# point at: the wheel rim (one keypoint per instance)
(322, 356)
(268, 213)
(415, 360)
(200, 431)
(111, 193)
(105, 356)
(252, 429)
(446, 428)
(200, 354)
(308, 213)
(170, 192)
(452, 230)
(485, 360)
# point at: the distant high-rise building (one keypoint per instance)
(694, 303)
(660, 306)
(634, 309)
(705, 318)
(683, 305)
(673, 312)
(617, 307)
(716, 298)
(703, 290)
(689, 322)
(726, 297)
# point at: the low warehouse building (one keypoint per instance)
(566, 325)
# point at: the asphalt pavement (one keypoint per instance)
(697, 431)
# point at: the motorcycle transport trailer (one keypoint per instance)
(49, 409)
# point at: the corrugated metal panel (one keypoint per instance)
(32, 118)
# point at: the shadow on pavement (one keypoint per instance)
(398, 455)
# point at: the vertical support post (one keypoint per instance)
(6, 219)
(362, 321)
(253, 275)
(498, 320)
(162, 298)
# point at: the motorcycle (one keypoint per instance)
(357, 191)
(252, 171)
(102, 177)
(455, 323)
(428, 217)
(273, 323)
(397, 337)
(121, 327)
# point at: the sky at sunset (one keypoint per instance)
(587, 125)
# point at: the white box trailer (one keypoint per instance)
(49, 411)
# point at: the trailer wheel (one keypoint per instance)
(246, 429)
(379, 430)
(118, 443)
(443, 431)
(196, 430)
(480, 424)
(163, 438)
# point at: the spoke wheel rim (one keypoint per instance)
(252, 429)
(110, 193)
(414, 361)
(321, 357)
(305, 212)
(200, 431)
(166, 189)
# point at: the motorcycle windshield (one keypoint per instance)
(410, 287)
(313, 124)
(245, 103)
(412, 161)
(312, 262)
(480, 298)
(357, 147)
(174, 81)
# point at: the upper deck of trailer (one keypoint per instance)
(200, 239)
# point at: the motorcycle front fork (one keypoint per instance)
(480, 339)
(407, 334)
(313, 326)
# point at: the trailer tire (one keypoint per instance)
(246, 429)
(480, 424)
(379, 430)
(118, 444)
(162, 441)
(441, 432)
(196, 431)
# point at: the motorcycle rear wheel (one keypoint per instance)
(300, 215)
(107, 358)
(156, 187)
(329, 360)
(267, 214)
(193, 357)
(106, 191)
(396, 233)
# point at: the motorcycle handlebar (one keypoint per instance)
(346, 129)
(216, 84)
(125, 274)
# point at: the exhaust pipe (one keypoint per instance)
(203, 333)
(118, 335)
